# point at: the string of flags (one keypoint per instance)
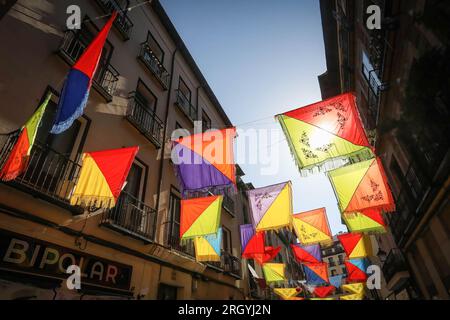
(327, 136)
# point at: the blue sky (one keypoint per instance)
(261, 58)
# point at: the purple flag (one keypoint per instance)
(261, 199)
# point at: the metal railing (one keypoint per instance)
(185, 105)
(174, 242)
(228, 204)
(132, 217)
(49, 175)
(147, 56)
(395, 262)
(123, 23)
(105, 78)
(145, 120)
(228, 264)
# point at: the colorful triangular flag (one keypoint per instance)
(18, 158)
(326, 135)
(207, 248)
(205, 161)
(312, 227)
(362, 186)
(356, 270)
(286, 293)
(356, 245)
(102, 177)
(369, 221)
(200, 217)
(323, 292)
(307, 254)
(271, 207)
(78, 83)
(316, 273)
(274, 272)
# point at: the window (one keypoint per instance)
(370, 74)
(206, 121)
(134, 179)
(155, 48)
(226, 240)
(166, 292)
(67, 143)
(174, 211)
(184, 89)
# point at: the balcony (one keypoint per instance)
(123, 23)
(149, 59)
(420, 184)
(145, 120)
(174, 242)
(228, 264)
(50, 176)
(105, 78)
(185, 105)
(394, 269)
(131, 217)
(228, 204)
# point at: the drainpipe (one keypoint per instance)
(161, 166)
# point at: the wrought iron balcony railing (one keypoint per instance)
(185, 105)
(395, 262)
(105, 78)
(145, 120)
(174, 242)
(123, 23)
(131, 217)
(229, 264)
(150, 60)
(49, 175)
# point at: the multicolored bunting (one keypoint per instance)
(102, 177)
(200, 217)
(78, 83)
(271, 206)
(205, 161)
(312, 227)
(362, 186)
(253, 246)
(326, 135)
(18, 158)
(356, 288)
(307, 254)
(207, 248)
(316, 273)
(356, 245)
(336, 281)
(274, 272)
(286, 293)
(352, 297)
(323, 292)
(371, 221)
(356, 270)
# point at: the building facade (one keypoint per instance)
(147, 85)
(398, 74)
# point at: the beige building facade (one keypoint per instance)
(147, 85)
